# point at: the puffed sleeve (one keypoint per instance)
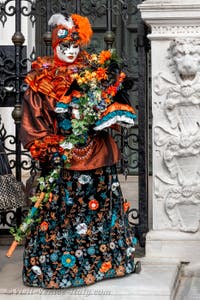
(119, 112)
(37, 117)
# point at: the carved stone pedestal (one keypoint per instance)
(175, 44)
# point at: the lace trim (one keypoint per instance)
(122, 118)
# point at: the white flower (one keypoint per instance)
(97, 95)
(114, 186)
(51, 179)
(42, 259)
(24, 227)
(60, 110)
(94, 57)
(76, 113)
(54, 172)
(100, 229)
(99, 276)
(93, 85)
(42, 183)
(81, 228)
(129, 251)
(84, 179)
(66, 145)
(78, 253)
(36, 270)
(112, 245)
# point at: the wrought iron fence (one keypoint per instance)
(14, 65)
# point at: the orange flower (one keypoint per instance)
(66, 99)
(103, 94)
(103, 248)
(44, 226)
(122, 75)
(93, 204)
(126, 206)
(107, 100)
(112, 90)
(50, 197)
(105, 266)
(33, 261)
(120, 271)
(43, 145)
(89, 279)
(61, 150)
(38, 149)
(52, 284)
(34, 149)
(76, 94)
(49, 144)
(101, 73)
(103, 56)
(35, 154)
(37, 143)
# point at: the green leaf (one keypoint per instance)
(33, 199)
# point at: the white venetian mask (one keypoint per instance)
(67, 52)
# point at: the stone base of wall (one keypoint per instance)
(173, 244)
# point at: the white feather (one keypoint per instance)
(59, 19)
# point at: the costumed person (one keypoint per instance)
(81, 234)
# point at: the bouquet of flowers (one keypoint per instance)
(98, 86)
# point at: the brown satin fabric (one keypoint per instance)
(104, 153)
(37, 117)
(38, 121)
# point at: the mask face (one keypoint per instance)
(67, 52)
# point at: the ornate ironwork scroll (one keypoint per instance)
(7, 74)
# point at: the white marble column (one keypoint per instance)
(175, 46)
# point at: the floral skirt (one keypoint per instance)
(83, 235)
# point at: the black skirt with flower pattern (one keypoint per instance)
(83, 235)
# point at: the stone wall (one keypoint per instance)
(175, 46)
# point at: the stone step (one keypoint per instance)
(156, 281)
(189, 285)
(189, 289)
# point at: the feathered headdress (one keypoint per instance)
(74, 28)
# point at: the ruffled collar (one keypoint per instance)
(52, 77)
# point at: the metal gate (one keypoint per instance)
(116, 23)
